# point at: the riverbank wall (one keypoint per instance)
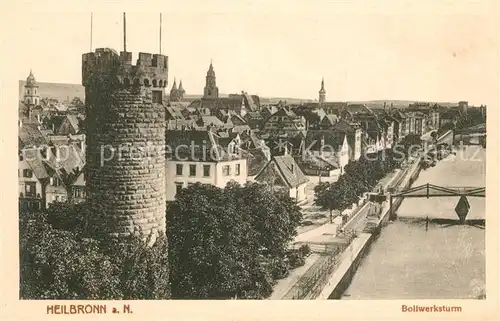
(353, 256)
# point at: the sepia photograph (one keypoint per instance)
(244, 152)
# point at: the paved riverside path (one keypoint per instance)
(284, 285)
(346, 259)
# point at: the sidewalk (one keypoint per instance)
(346, 259)
(284, 285)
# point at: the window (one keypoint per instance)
(56, 181)
(206, 170)
(192, 170)
(157, 96)
(28, 173)
(226, 170)
(30, 189)
(178, 168)
(178, 187)
(237, 169)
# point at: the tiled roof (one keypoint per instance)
(313, 162)
(241, 128)
(35, 162)
(174, 112)
(30, 136)
(256, 160)
(249, 100)
(331, 118)
(254, 115)
(315, 139)
(344, 126)
(71, 159)
(202, 141)
(358, 109)
(209, 120)
(290, 171)
(73, 119)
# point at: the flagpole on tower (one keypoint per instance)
(91, 14)
(160, 32)
(124, 33)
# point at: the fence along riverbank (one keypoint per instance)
(341, 277)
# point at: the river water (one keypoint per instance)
(447, 261)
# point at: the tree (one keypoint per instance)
(228, 242)
(329, 196)
(64, 257)
(78, 104)
(56, 264)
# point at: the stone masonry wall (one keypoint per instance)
(125, 163)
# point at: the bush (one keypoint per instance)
(59, 261)
(278, 268)
(304, 250)
(295, 259)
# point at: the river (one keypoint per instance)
(447, 261)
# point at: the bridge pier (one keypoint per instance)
(392, 214)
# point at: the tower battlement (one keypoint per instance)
(150, 70)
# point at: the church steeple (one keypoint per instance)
(181, 90)
(322, 92)
(31, 95)
(211, 91)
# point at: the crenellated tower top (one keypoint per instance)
(151, 70)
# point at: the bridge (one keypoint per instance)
(430, 190)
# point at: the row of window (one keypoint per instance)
(226, 170)
(54, 181)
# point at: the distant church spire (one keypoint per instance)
(180, 87)
(322, 92)
(177, 94)
(31, 95)
(211, 91)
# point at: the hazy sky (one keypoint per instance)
(392, 50)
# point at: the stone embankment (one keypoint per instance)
(353, 254)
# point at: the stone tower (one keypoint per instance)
(31, 95)
(322, 92)
(211, 91)
(125, 124)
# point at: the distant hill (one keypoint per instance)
(275, 100)
(399, 103)
(56, 90)
(64, 92)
